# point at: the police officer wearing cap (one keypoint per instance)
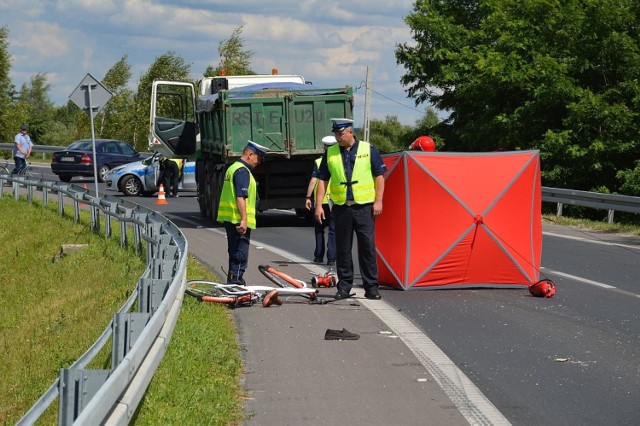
(328, 222)
(237, 209)
(354, 172)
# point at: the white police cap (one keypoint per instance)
(341, 123)
(329, 140)
(257, 148)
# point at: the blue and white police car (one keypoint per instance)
(141, 177)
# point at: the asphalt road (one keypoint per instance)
(573, 359)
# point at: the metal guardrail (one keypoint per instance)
(139, 339)
(610, 202)
(36, 148)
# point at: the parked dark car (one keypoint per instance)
(77, 158)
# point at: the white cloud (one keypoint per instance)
(330, 42)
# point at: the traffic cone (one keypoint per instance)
(84, 186)
(161, 199)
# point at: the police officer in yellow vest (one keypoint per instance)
(171, 169)
(237, 210)
(328, 222)
(354, 172)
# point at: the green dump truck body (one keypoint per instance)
(291, 122)
(289, 118)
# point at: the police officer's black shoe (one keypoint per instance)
(373, 294)
(317, 260)
(331, 262)
(342, 295)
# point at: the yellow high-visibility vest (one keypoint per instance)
(325, 200)
(228, 209)
(362, 182)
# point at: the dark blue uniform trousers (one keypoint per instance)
(328, 222)
(238, 248)
(357, 219)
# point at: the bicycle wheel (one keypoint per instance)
(284, 281)
(4, 170)
(280, 279)
(207, 291)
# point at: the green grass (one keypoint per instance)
(198, 381)
(593, 225)
(52, 311)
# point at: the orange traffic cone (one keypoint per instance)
(84, 186)
(161, 199)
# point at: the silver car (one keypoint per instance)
(141, 177)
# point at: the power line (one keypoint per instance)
(389, 99)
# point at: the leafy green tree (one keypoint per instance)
(168, 66)
(35, 106)
(7, 127)
(234, 58)
(389, 135)
(562, 76)
(114, 119)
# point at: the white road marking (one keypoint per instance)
(586, 240)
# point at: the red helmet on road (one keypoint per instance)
(423, 143)
(543, 288)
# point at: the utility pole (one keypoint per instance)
(367, 104)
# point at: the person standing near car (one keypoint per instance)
(21, 150)
(171, 169)
(354, 172)
(237, 209)
(328, 222)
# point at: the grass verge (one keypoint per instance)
(198, 381)
(52, 311)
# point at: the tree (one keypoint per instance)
(389, 135)
(8, 126)
(168, 66)
(114, 119)
(35, 106)
(562, 76)
(234, 59)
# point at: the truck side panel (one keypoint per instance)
(309, 119)
(258, 119)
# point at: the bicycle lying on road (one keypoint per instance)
(236, 295)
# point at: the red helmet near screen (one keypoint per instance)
(423, 143)
(543, 288)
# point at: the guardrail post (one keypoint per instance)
(76, 388)
(610, 216)
(112, 207)
(558, 209)
(45, 196)
(150, 294)
(127, 327)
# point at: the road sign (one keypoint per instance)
(90, 95)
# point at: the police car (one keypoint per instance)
(141, 177)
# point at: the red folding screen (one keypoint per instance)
(460, 220)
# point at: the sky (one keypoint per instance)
(329, 42)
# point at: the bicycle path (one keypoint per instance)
(294, 376)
